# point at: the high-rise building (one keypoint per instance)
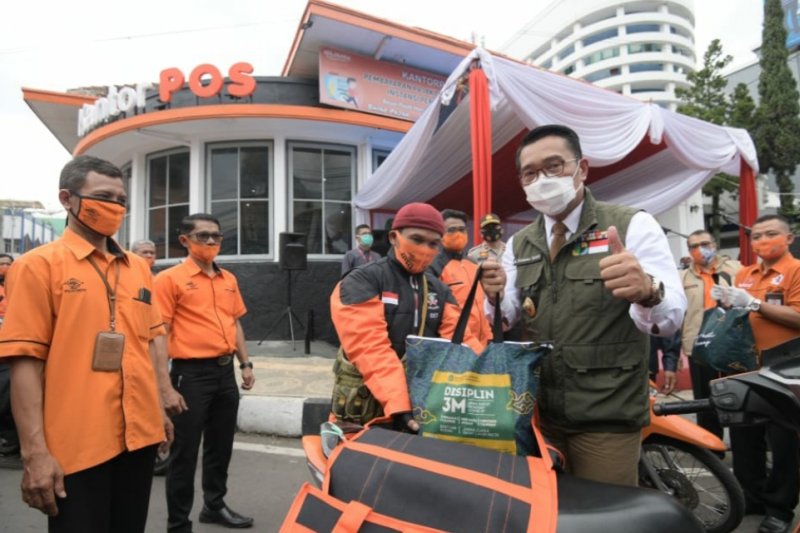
(639, 48)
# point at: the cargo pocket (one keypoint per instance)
(605, 385)
(584, 286)
(352, 401)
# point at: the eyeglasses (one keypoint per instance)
(204, 236)
(457, 229)
(552, 169)
(704, 244)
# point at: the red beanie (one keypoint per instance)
(419, 215)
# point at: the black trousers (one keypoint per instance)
(213, 400)
(701, 375)
(774, 491)
(111, 497)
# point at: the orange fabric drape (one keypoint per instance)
(481, 139)
(748, 211)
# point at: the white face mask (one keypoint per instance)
(551, 196)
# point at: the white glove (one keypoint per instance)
(731, 296)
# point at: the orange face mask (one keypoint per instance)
(100, 215)
(454, 242)
(415, 258)
(772, 248)
(204, 252)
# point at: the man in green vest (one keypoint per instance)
(595, 279)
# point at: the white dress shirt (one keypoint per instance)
(646, 240)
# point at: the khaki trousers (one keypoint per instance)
(605, 457)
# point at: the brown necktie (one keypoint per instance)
(558, 239)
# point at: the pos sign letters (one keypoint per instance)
(205, 81)
(241, 84)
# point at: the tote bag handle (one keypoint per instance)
(463, 319)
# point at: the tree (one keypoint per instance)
(705, 99)
(777, 122)
(742, 110)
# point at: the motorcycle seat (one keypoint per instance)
(586, 506)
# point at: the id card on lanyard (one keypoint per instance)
(108, 345)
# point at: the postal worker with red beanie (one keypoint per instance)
(376, 306)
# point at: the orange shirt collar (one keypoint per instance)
(781, 267)
(82, 249)
(194, 269)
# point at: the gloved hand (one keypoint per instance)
(405, 422)
(732, 296)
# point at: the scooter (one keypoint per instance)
(770, 394)
(678, 458)
(583, 506)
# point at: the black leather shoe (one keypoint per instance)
(770, 524)
(225, 517)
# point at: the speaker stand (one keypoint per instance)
(288, 313)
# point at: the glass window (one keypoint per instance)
(568, 51)
(603, 74)
(167, 201)
(124, 233)
(646, 67)
(600, 36)
(547, 64)
(323, 178)
(601, 55)
(635, 90)
(569, 70)
(642, 28)
(239, 181)
(639, 48)
(378, 157)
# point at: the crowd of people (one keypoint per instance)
(110, 363)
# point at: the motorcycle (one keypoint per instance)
(679, 458)
(583, 505)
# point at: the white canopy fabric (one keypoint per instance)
(428, 161)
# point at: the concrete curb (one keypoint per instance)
(283, 416)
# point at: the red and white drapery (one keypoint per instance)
(639, 154)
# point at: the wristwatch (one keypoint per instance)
(656, 293)
(246, 364)
(754, 305)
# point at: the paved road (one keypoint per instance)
(265, 474)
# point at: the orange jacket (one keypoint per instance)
(374, 308)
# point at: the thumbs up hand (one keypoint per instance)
(621, 272)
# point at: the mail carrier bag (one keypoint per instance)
(487, 400)
(444, 485)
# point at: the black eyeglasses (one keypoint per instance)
(704, 244)
(204, 236)
(552, 169)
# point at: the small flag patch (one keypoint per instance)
(389, 298)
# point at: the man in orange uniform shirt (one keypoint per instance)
(458, 272)
(79, 334)
(771, 290)
(201, 305)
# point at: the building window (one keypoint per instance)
(378, 157)
(566, 52)
(608, 53)
(124, 232)
(322, 184)
(637, 90)
(600, 36)
(602, 74)
(640, 48)
(646, 67)
(681, 51)
(569, 70)
(642, 28)
(547, 64)
(167, 201)
(239, 179)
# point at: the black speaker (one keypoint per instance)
(293, 251)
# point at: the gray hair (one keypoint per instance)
(141, 242)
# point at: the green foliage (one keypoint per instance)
(705, 99)
(777, 122)
(742, 110)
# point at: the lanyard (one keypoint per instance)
(111, 294)
(367, 257)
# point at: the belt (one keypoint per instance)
(219, 360)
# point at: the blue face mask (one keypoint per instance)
(366, 240)
(708, 254)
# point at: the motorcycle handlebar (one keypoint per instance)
(680, 408)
